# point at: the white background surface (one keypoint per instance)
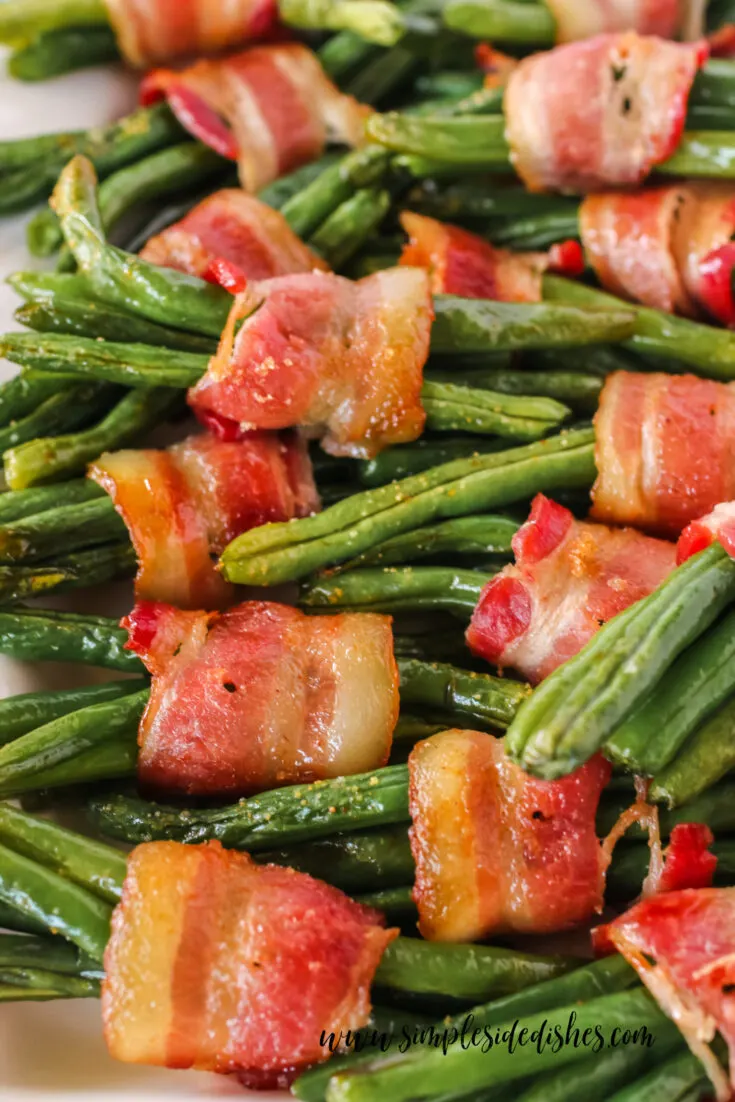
(55, 1050)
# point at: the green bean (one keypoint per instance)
(690, 691)
(19, 504)
(70, 407)
(127, 282)
(480, 325)
(405, 460)
(43, 635)
(79, 568)
(281, 552)
(281, 817)
(680, 1079)
(48, 460)
(706, 756)
(113, 760)
(25, 18)
(429, 1072)
(578, 707)
(286, 187)
(605, 976)
(410, 728)
(63, 50)
(396, 905)
(476, 698)
(165, 172)
(352, 223)
(27, 711)
(537, 232)
(60, 741)
(480, 535)
(376, 21)
(62, 906)
(394, 588)
(90, 864)
(472, 201)
(709, 351)
(343, 53)
(24, 393)
(598, 1075)
(449, 84)
(358, 861)
(477, 141)
(49, 954)
(13, 919)
(67, 528)
(571, 388)
(127, 364)
(478, 972)
(17, 983)
(92, 319)
(451, 408)
(385, 75)
(502, 21)
(309, 207)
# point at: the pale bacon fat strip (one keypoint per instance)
(262, 695)
(334, 356)
(220, 964)
(569, 578)
(183, 505)
(270, 108)
(599, 113)
(497, 850)
(233, 226)
(665, 450)
(152, 31)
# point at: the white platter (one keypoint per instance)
(55, 1050)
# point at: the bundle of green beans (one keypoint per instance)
(65, 882)
(437, 145)
(91, 734)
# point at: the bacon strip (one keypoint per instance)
(152, 31)
(497, 850)
(325, 353)
(270, 108)
(182, 506)
(235, 227)
(262, 695)
(599, 113)
(575, 20)
(682, 945)
(460, 263)
(569, 578)
(668, 247)
(222, 965)
(665, 450)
